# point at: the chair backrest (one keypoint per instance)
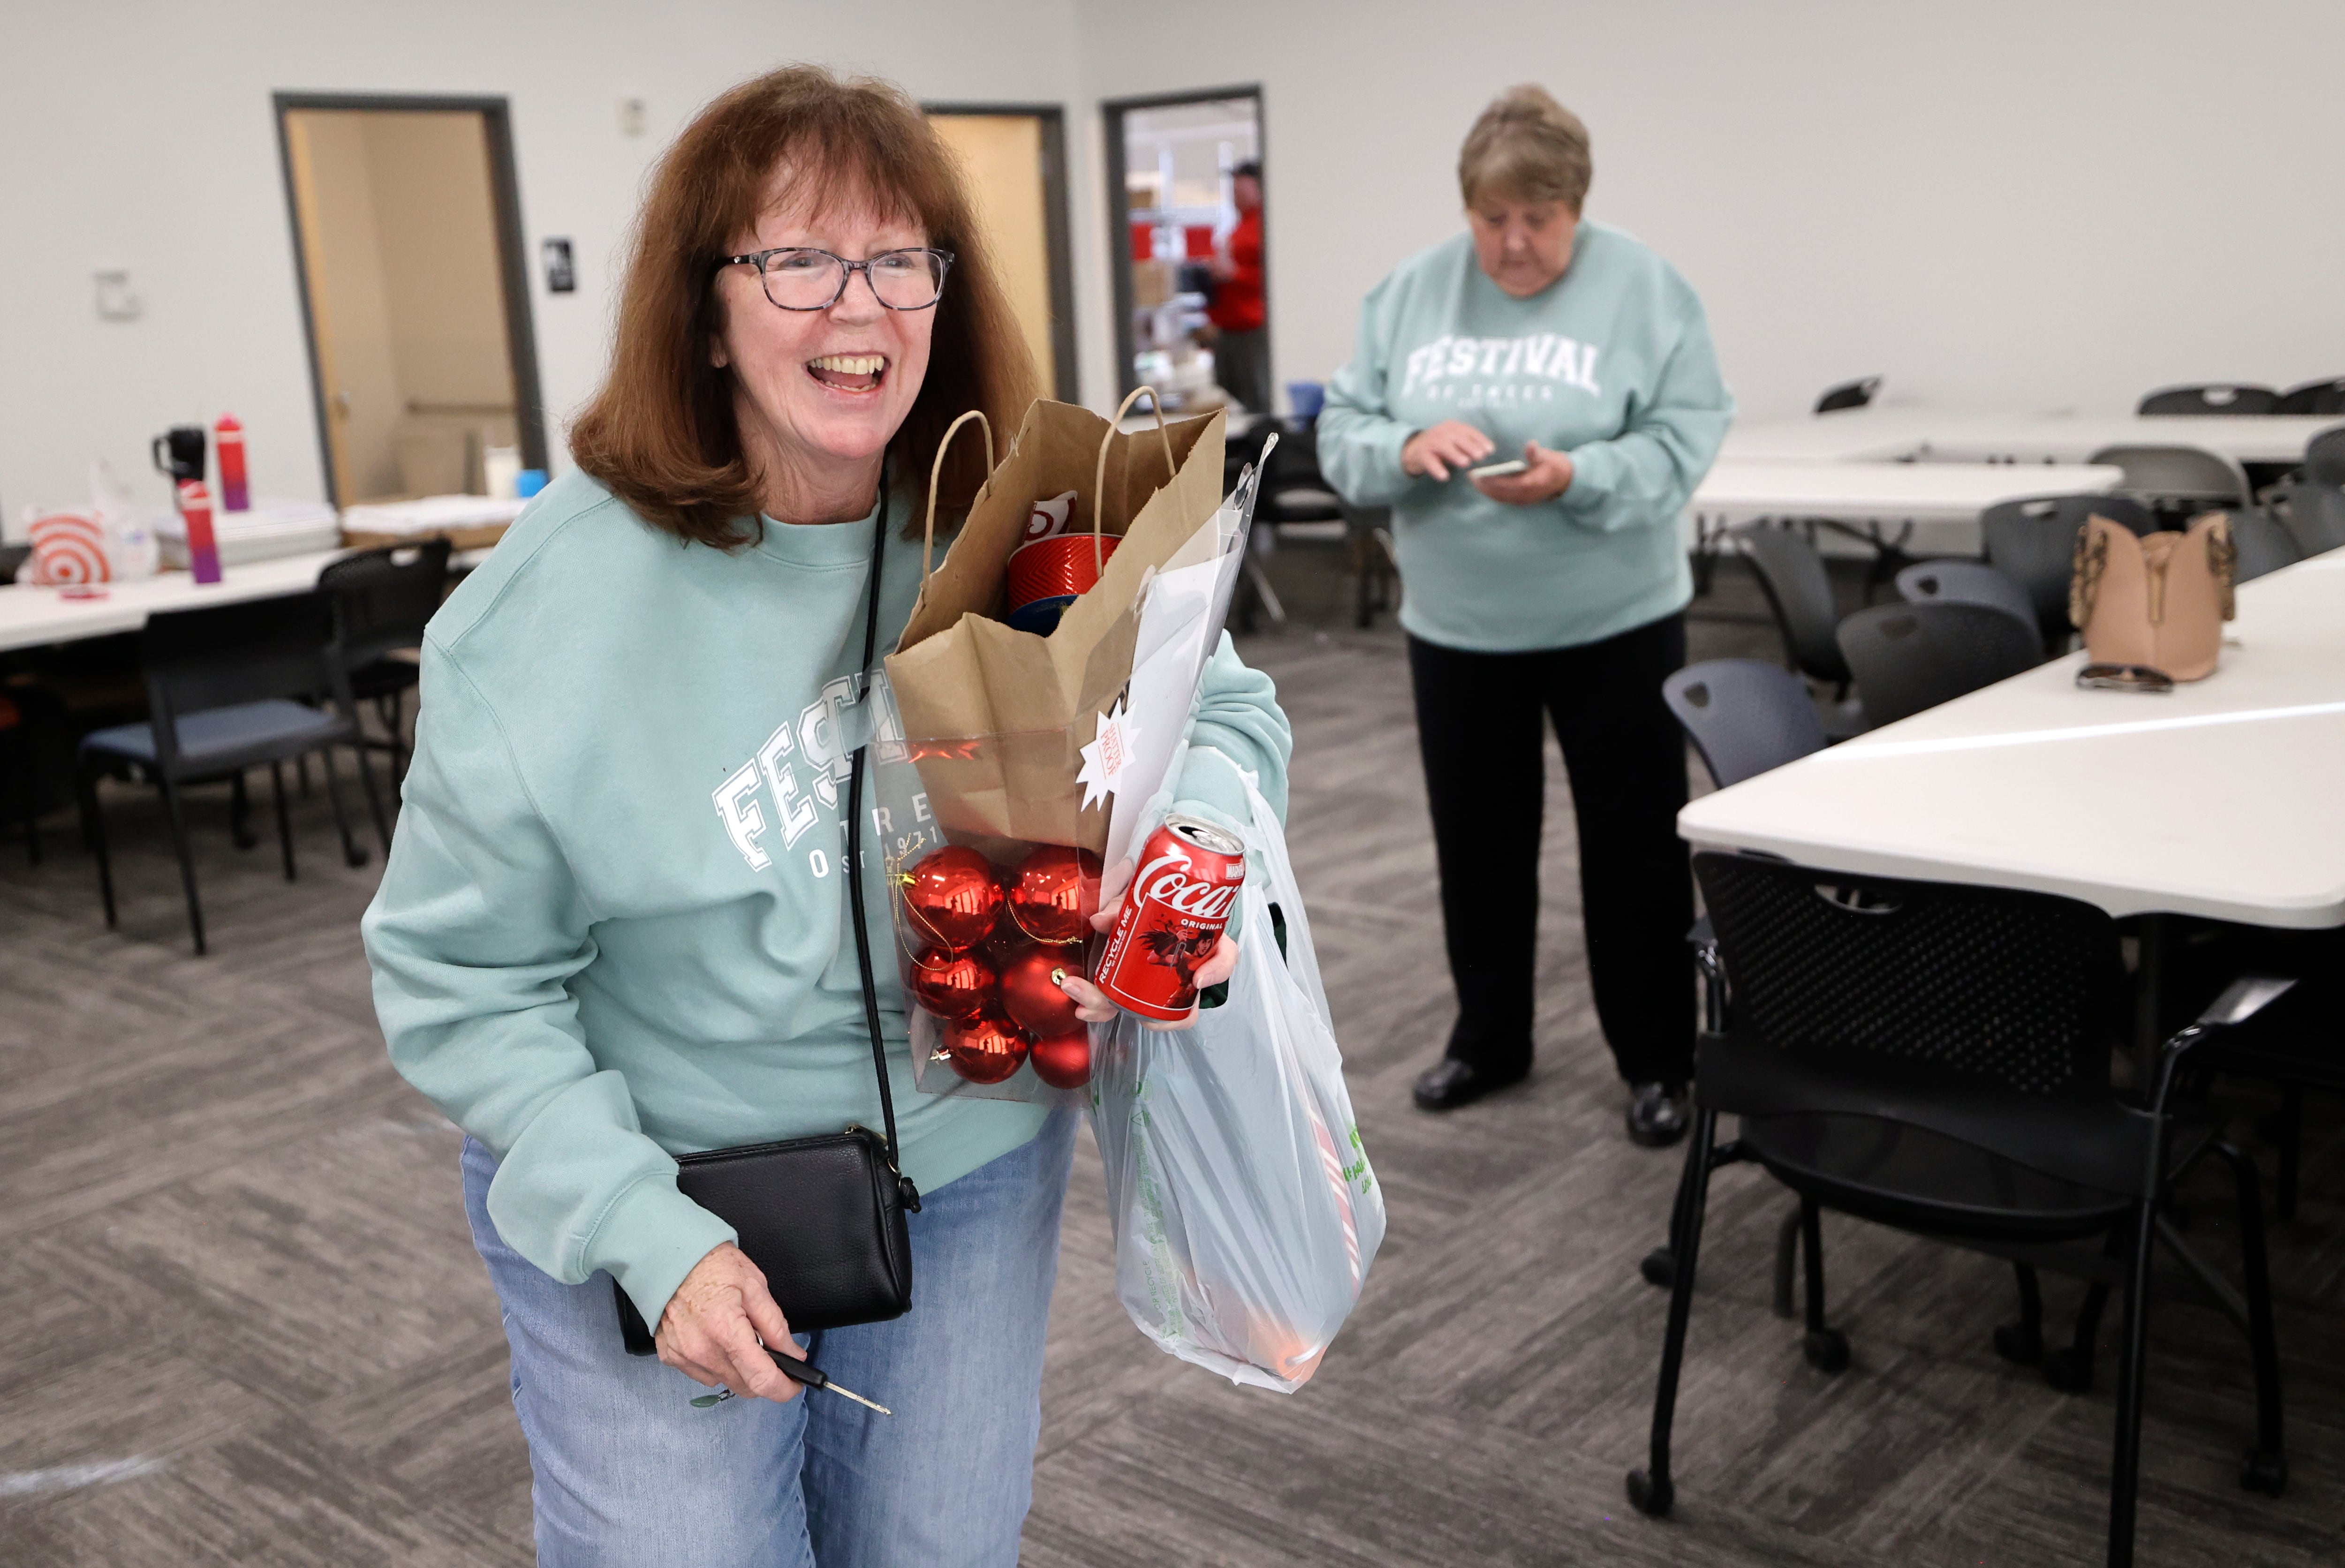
(2316, 517)
(1908, 657)
(1965, 583)
(2032, 542)
(1745, 717)
(2324, 457)
(2313, 398)
(2183, 473)
(2263, 544)
(1888, 990)
(1799, 591)
(223, 654)
(1849, 395)
(381, 599)
(2215, 398)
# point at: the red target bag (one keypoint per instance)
(69, 549)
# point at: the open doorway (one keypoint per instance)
(1190, 306)
(1016, 155)
(407, 229)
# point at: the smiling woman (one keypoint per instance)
(774, 310)
(621, 922)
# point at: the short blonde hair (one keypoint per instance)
(1528, 147)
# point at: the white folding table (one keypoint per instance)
(2219, 800)
(1943, 501)
(1904, 434)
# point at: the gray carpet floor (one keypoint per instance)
(245, 1323)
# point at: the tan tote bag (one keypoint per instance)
(2157, 603)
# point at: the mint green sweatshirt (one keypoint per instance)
(614, 926)
(1612, 363)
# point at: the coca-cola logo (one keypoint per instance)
(1184, 894)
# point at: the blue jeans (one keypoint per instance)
(627, 1473)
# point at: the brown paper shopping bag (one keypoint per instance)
(962, 678)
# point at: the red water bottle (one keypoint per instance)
(203, 549)
(229, 436)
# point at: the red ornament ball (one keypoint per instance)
(952, 985)
(984, 1049)
(951, 896)
(1030, 992)
(1053, 893)
(1064, 1061)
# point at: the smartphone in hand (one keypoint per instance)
(1498, 470)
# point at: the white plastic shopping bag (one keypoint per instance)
(1245, 1212)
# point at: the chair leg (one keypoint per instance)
(2266, 1467)
(1660, 1266)
(2022, 1341)
(239, 812)
(352, 855)
(1650, 1489)
(1826, 1348)
(93, 833)
(1787, 1263)
(171, 807)
(301, 769)
(2125, 1470)
(2069, 1368)
(2291, 1151)
(373, 796)
(284, 821)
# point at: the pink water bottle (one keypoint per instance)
(229, 436)
(203, 549)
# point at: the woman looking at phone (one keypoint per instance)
(1572, 351)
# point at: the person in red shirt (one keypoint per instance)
(1241, 350)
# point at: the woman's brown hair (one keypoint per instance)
(1527, 148)
(661, 430)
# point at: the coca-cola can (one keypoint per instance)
(1173, 914)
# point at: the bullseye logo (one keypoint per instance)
(68, 549)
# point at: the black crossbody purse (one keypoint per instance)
(823, 1218)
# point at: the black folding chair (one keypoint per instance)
(2264, 544)
(2323, 396)
(1965, 583)
(2032, 542)
(1856, 394)
(225, 690)
(382, 599)
(2213, 399)
(1936, 1058)
(1908, 657)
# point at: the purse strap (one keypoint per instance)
(910, 1195)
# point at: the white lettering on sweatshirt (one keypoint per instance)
(1473, 371)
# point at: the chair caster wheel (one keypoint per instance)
(1660, 1267)
(2066, 1370)
(1827, 1349)
(2264, 1471)
(2019, 1343)
(1650, 1496)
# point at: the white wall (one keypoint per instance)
(1992, 203)
(2010, 205)
(143, 133)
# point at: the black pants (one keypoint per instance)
(1242, 368)
(1477, 722)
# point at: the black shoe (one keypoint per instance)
(1657, 1114)
(1451, 1082)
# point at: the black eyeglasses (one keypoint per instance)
(798, 277)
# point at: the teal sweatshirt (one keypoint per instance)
(1612, 363)
(614, 926)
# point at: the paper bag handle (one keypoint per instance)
(1098, 472)
(936, 469)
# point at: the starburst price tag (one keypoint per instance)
(1108, 755)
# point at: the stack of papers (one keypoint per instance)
(432, 514)
(270, 529)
